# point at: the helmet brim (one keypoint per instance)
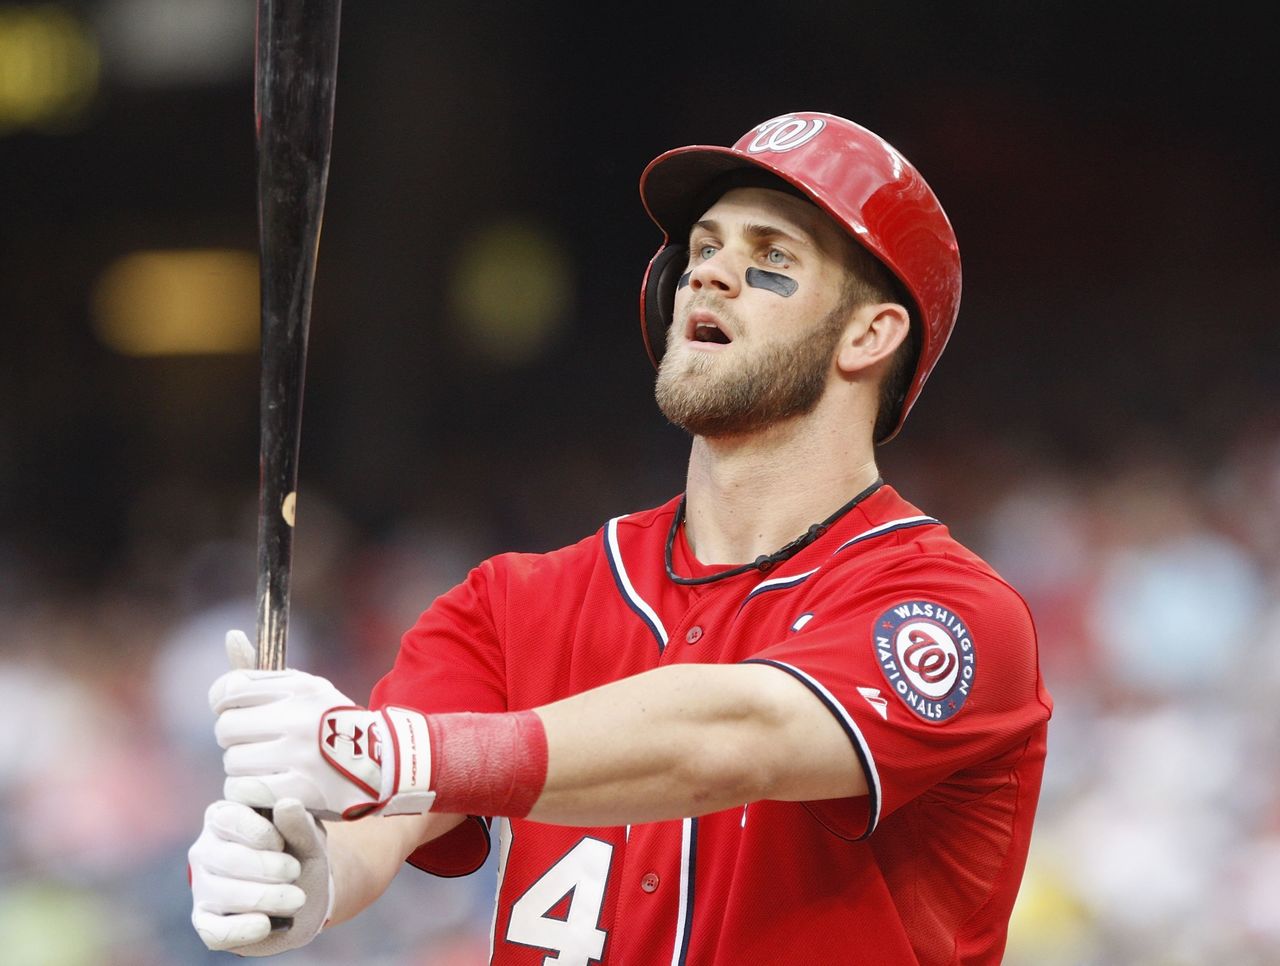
(676, 184)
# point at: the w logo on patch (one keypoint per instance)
(928, 657)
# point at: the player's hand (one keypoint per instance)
(288, 734)
(245, 870)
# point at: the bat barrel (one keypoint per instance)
(295, 75)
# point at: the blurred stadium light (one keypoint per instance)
(196, 302)
(49, 67)
(512, 290)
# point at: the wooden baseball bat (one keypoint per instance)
(295, 72)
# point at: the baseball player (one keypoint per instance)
(783, 718)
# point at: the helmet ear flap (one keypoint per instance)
(660, 295)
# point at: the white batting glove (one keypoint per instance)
(288, 734)
(245, 871)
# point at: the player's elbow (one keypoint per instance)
(760, 734)
(723, 772)
(740, 758)
(777, 742)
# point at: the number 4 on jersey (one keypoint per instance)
(574, 936)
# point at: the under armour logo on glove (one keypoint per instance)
(357, 735)
(350, 742)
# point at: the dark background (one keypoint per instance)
(1109, 173)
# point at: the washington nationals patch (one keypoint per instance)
(927, 657)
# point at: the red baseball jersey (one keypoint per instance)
(924, 656)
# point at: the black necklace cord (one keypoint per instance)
(766, 562)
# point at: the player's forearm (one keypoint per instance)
(688, 740)
(680, 740)
(365, 856)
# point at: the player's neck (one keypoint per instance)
(750, 495)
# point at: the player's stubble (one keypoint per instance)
(706, 395)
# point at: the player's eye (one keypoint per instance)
(776, 256)
(706, 251)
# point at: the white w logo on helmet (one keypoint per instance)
(785, 133)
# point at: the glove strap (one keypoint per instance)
(406, 784)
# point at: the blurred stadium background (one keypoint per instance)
(1104, 426)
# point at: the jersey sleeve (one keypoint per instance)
(932, 674)
(451, 660)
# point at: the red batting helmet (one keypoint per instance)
(856, 177)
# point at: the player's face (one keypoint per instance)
(757, 316)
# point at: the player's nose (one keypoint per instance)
(719, 274)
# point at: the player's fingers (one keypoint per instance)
(242, 688)
(250, 791)
(239, 726)
(247, 688)
(232, 860)
(240, 653)
(234, 822)
(266, 791)
(230, 932)
(262, 758)
(231, 896)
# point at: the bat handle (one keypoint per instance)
(275, 553)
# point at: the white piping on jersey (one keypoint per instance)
(504, 850)
(851, 727)
(885, 527)
(620, 571)
(781, 581)
(678, 952)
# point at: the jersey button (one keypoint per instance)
(693, 634)
(650, 882)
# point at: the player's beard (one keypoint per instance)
(708, 396)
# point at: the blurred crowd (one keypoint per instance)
(1155, 582)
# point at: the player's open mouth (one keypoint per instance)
(705, 328)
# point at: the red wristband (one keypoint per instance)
(487, 764)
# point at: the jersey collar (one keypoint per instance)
(766, 562)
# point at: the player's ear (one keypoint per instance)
(873, 334)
